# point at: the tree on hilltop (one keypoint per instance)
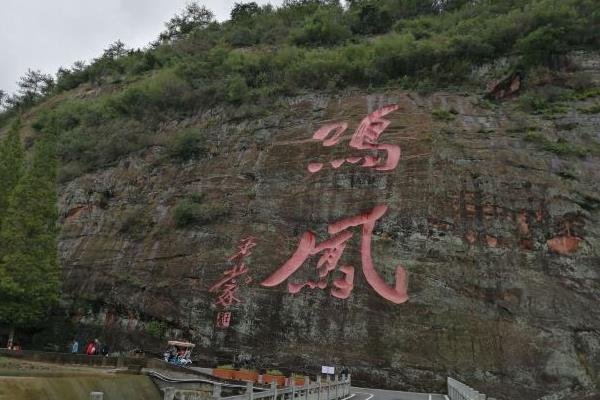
(33, 86)
(3, 97)
(115, 50)
(193, 16)
(242, 11)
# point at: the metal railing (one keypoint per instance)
(459, 391)
(329, 389)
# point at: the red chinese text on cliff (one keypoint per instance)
(228, 285)
(223, 319)
(364, 138)
(332, 250)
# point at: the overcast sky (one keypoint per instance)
(47, 34)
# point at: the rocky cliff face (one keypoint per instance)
(492, 212)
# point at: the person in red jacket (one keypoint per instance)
(90, 350)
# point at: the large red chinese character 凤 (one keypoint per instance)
(365, 138)
(332, 250)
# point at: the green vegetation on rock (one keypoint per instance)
(156, 328)
(592, 109)
(11, 166)
(561, 147)
(312, 43)
(29, 278)
(227, 108)
(197, 210)
(443, 115)
(188, 145)
(263, 52)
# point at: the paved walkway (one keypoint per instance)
(378, 394)
(207, 371)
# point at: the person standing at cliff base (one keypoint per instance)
(74, 346)
(104, 350)
(90, 350)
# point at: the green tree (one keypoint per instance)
(242, 11)
(236, 89)
(71, 78)
(539, 46)
(3, 97)
(324, 27)
(11, 166)
(115, 50)
(33, 86)
(29, 276)
(369, 17)
(194, 16)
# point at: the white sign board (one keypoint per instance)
(327, 370)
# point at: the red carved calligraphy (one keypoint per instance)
(226, 288)
(223, 319)
(331, 251)
(365, 137)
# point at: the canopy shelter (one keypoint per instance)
(179, 352)
(185, 345)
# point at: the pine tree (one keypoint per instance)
(11, 166)
(29, 276)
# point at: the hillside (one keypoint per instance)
(172, 156)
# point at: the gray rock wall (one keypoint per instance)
(497, 231)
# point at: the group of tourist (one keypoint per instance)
(14, 346)
(93, 348)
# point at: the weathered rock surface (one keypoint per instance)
(499, 236)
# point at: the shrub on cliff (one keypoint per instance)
(196, 210)
(156, 328)
(187, 145)
(539, 46)
(134, 222)
(236, 89)
(368, 17)
(149, 98)
(242, 37)
(325, 27)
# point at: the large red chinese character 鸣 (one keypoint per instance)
(364, 138)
